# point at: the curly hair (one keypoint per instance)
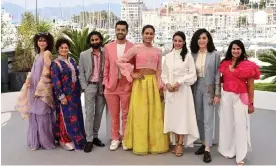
(228, 55)
(49, 39)
(94, 33)
(184, 48)
(61, 41)
(194, 41)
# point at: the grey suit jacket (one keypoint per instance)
(211, 73)
(86, 67)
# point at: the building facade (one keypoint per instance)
(131, 11)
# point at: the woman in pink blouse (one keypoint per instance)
(144, 128)
(238, 75)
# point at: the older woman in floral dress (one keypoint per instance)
(67, 91)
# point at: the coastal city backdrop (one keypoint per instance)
(252, 21)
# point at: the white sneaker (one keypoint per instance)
(114, 144)
(125, 148)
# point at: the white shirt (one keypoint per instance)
(200, 63)
(120, 52)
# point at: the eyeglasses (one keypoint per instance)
(42, 33)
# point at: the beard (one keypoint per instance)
(120, 36)
(95, 45)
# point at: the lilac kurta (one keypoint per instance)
(41, 122)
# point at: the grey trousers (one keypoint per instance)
(94, 106)
(204, 112)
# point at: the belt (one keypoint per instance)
(90, 82)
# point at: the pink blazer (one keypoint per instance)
(110, 66)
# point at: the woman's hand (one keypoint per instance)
(176, 86)
(25, 116)
(28, 83)
(251, 109)
(137, 75)
(64, 101)
(169, 87)
(161, 94)
(216, 100)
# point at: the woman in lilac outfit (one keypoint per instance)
(36, 99)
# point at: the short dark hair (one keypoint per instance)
(94, 33)
(122, 22)
(49, 39)
(184, 48)
(61, 41)
(146, 27)
(194, 41)
(229, 55)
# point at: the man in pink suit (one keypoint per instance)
(117, 88)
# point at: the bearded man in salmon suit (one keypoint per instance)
(117, 88)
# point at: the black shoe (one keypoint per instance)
(88, 147)
(200, 150)
(98, 142)
(207, 157)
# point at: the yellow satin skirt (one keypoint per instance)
(145, 123)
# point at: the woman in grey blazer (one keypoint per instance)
(206, 89)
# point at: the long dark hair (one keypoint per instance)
(194, 41)
(184, 48)
(49, 39)
(229, 55)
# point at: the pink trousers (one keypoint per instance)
(117, 100)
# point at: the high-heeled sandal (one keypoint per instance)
(173, 151)
(179, 154)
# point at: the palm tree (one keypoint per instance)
(44, 26)
(78, 41)
(106, 37)
(270, 70)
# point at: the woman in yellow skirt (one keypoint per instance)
(145, 123)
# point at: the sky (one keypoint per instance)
(30, 4)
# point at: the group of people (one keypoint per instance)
(161, 103)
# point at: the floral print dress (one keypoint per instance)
(69, 118)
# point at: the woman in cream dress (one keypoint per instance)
(178, 74)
